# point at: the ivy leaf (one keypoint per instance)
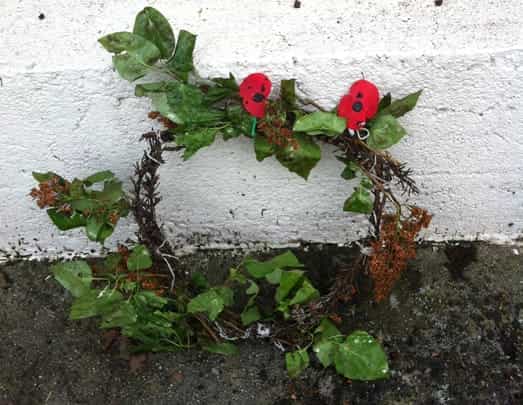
(306, 293)
(195, 140)
(139, 259)
(98, 177)
(210, 302)
(76, 276)
(402, 106)
(385, 131)
(360, 201)
(300, 160)
(182, 61)
(250, 314)
(320, 122)
(296, 362)
(64, 222)
(259, 269)
(262, 147)
(325, 344)
(361, 357)
(288, 93)
(225, 348)
(153, 26)
(289, 279)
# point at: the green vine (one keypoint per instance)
(143, 293)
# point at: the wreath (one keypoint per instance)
(140, 290)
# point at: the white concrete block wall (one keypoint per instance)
(63, 108)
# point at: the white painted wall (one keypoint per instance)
(63, 108)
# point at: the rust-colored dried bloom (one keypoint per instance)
(395, 247)
(47, 192)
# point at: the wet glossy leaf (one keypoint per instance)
(385, 131)
(402, 106)
(360, 202)
(361, 357)
(76, 276)
(153, 26)
(195, 140)
(296, 362)
(320, 122)
(325, 343)
(182, 61)
(139, 259)
(225, 348)
(300, 160)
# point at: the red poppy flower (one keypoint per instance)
(360, 104)
(254, 91)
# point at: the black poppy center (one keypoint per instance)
(258, 98)
(357, 106)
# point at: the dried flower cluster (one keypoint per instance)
(395, 246)
(47, 192)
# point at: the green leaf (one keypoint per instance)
(129, 67)
(195, 140)
(210, 302)
(123, 316)
(148, 299)
(42, 177)
(275, 276)
(384, 102)
(112, 261)
(326, 342)
(385, 131)
(360, 201)
(320, 122)
(402, 106)
(153, 26)
(361, 357)
(289, 279)
(95, 302)
(236, 275)
(77, 189)
(300, 160)
(64, 222)
(98, 177)
(226, 294)
(259, 269)
(228, 83)
(325, 350)
(139, 259)
(139, 48)
(306, 293)
(262, 147)
(296, 362)
(241, 121)
(199, 281)
(182, 61)
(250, 314)
(350, 171)
(85, 204)
(225, 348)
(111, 193)
(288, 93)
(76, 276)
(253, 288)
(97, 229)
